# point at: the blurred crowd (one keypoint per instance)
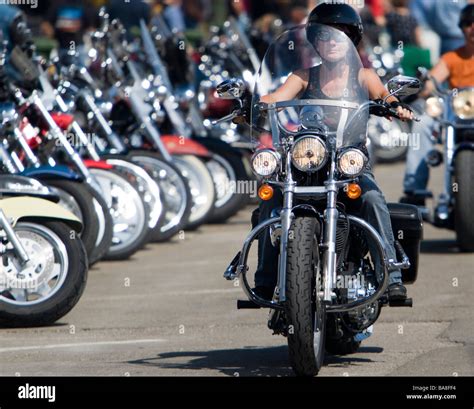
(427, 25)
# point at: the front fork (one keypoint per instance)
(13, 238)
(330, 218)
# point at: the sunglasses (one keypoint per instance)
(326, 35)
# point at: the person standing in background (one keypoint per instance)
(68, 21)
(442, 17)
(129, 12)
(401, 25)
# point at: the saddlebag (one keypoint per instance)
(407, 226)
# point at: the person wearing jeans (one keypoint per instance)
(456, 67)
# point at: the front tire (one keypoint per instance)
(463, 200)
(82, 203)
(306, 315)
(64, 285)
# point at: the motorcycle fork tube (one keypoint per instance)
(286, 216)
(76, 159)
(78, 131)
(26, 148)
(331, 215)
(9, 161)
(152, 132)
(197, 121)
(175, 117)
(112, 137)
(449, 153)
(13, 239)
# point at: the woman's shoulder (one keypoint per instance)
(303, 74)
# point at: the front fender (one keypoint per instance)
(46, 172)
(30, 208)
(177, 145)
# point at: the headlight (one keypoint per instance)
(434, 107)
(265, 162)
(309, 154)
(352, 162)
(463, 104)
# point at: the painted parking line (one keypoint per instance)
(82, 344)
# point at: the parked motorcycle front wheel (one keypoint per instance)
(388, 139)
(76, 197)
(233, 187)
(177, 199)
(202, 187)
(305, 312)
(128, 211)
(50, 284)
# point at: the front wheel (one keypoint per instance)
(305, 312)
(50, 284)
(463, 200)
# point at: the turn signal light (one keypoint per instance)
(265, 192)
(353, 191)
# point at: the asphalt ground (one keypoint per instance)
(168, 311)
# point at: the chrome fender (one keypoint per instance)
(30, 208)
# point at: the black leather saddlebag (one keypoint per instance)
(407, 226)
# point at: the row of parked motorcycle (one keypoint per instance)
(103, 150)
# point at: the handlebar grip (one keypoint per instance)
(394, 113)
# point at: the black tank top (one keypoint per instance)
(331, 114)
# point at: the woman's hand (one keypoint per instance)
(404, 111)
(405, 114)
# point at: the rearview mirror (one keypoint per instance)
(232, 88)
(402, 86)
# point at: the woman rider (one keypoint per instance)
(325, 81)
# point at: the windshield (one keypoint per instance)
(314, 74)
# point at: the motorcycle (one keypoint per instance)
(454, 130)
(333, 269)
(225, 164)
(120, 192)
(44, 263)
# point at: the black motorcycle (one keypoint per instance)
(333, 269)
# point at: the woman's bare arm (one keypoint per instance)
(378, 91)
(294, 85)
(440, 72)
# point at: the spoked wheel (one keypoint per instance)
(50, 284)
(202, 188)
(230, 177)
(146, 186)
(176, 194)
(106, 228)
(305, 312)
(128, 212)
(388, 139)
(76, 197)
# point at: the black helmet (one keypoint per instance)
(334, 14)
(467, 15)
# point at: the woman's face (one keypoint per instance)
(332, 44)
(468, 30)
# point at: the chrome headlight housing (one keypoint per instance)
(309, 153)
(352, 162)
(265, 162)
(434, 107)
(463, 104)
